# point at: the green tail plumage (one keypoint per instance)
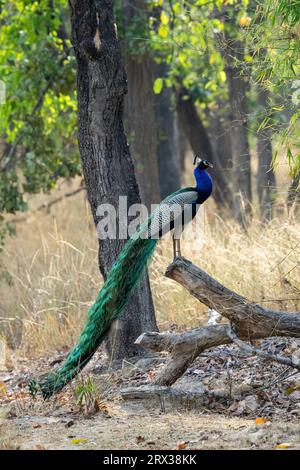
(111, 300)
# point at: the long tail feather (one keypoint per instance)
(111, 300)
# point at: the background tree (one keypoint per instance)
(275, 44)
(265, 175)
(233, 51)
(169, 152)
(140, 107)
(200, 142)
(203, 78)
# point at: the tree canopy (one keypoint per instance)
(198, 41)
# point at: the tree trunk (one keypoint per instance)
(265, 175)
(169, 165)
(199, 140)
(140, 111)
(183, 144)
(220, 142)
(233, 52)
(293, 198)
(107, 165)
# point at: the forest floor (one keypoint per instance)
(257, 406)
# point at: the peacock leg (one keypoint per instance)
(176, 246)
(178, 250)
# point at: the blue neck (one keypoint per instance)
(203, 180)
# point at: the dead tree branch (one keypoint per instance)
(249, 320)
(172, 395)
(47, 205)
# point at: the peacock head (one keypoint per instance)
(202, 164)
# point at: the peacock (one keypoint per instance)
(125, 274)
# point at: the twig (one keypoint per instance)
(251, 350)
(46, 206)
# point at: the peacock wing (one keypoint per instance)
(168, 213)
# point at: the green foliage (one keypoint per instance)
(85, 392)
(274, 40)
(185, 37)
(38, 118)
(158, 85)
(190, 37)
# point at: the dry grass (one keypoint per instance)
(50, 277)
(262, 264)
(49, 273)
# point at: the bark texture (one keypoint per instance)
(219, 134)
(107, 164)
(233, 52)
(265, 175)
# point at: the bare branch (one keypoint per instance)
(265, 355)
(250, 319)
(46, 206)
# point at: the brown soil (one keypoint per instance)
(257, 406)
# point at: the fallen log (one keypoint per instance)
(172, 395)
(248, 320)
